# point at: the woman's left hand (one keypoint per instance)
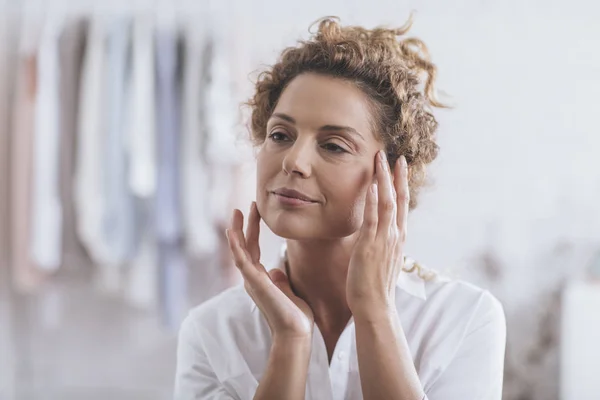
(378, 258)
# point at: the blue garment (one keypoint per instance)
(168, 218)
(119, 222)
(169, 227)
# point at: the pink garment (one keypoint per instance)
(25, 275)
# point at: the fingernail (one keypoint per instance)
(404, 163)
(227, 233)
(384, 162)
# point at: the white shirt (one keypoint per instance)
(89, 198)
(140, 124)
(200, 233)
(456, 333)
(46, 220)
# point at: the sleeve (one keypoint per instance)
(195, 378)
(477, 369)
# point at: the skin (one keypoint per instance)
(345, 250)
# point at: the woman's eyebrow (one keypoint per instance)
(284, 117)
(348, 129)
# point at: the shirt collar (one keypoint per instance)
(411, 282)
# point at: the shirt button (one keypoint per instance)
(341, 355)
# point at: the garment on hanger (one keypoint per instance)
(168, 210)
(142, 277)
(141, 134)
(169, 228)
(24, 272)
(71, 51)
(46, 217)
(119, 222)
(89, 198)
(218, 123)
(8, 65)
(201, 238)
(221, 151)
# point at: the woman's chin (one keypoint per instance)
(287, 232)
(292, 230)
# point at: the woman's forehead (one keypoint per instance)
(315, 100)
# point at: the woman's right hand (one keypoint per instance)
(288, 316)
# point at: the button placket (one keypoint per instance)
(340, 367)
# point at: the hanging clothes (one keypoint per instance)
(119, 218)
(219, 119)
(46, 217)
(141, 124)
(169, 228)
(24, 274)
(200, 234)
(71, 50)
(7, 68)
(142, 277)
(168, 224)
(221, 150)
(89, 198)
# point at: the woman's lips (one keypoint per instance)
(291, 201)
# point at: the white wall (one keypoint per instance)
(515, 204)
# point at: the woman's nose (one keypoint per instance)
(298, 159)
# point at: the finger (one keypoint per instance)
(402, 195)
(240, 257)
(236, 233)
(253, 274)
(386, 198)
(237, 226)
(281, 280)
(237, 222)
(252, 234)
(369, 226)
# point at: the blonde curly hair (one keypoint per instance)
(387, 69)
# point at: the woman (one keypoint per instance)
(344, 132)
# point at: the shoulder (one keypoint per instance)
(455, 317)
(455, 310)
(224, 337)
(448, 298)
(227, 318)
(460, 299)
(231, 300)
(231, 304)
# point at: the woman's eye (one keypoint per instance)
(334, 148)
(277, 136)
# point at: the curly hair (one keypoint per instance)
(387, 69)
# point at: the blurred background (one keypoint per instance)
(123, 150)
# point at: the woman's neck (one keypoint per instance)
(317, 273)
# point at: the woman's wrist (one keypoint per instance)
(374, 314)
(292, 342)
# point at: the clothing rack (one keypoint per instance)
(26, 14)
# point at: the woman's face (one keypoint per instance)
(320, 143)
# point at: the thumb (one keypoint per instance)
(280, 280)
